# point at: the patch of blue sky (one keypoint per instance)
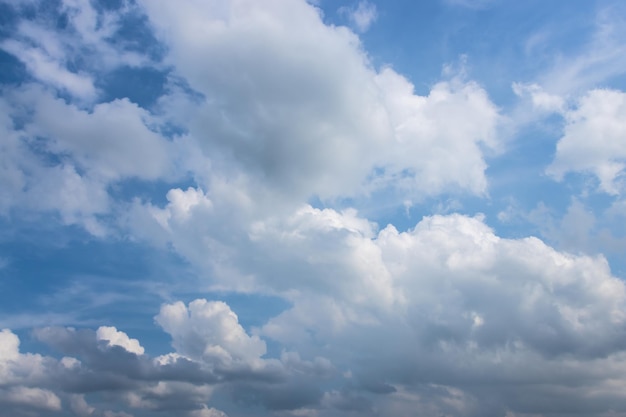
(8, 20)
(12, 70)
(418, 41)
(134, 34)
(84, 282)
(154, 192)
(42, 260)
(142, 86)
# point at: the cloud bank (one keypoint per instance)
(269, 140)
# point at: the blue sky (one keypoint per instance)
(217, 208)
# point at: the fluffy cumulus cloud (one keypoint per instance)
(18, 373)
(594, 140)
(258, 163)
(456, 304)
(446, 317)
(475, 319)
(295, 104)
(113, 337)
(209, 331)
(212, 353)
(290, 116)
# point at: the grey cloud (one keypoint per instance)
(377, 387)
(306, 114)
(113, 367)
(290, 396)
(294, 128)
(109, 363)
(446, 303)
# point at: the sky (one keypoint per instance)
(236, 208)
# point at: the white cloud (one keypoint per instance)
(209, 331)
(593, 140)
(361, 16)
(456, 118)
(52, 165)
(595, 62)
(48, 70)
(463, 300)
(541, 100)
(112, 141)
(441, 271)
(78, 199)
(9, 346)
(49, 52)
(15, 367)
(29, 184)
(288, 109)
(31, 397)
(296, 127)
(321, 122)
(228, 228)
(454, 283)
(23, 377)
(118, 338)
(472, 309)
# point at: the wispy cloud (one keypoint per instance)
(361, 16)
